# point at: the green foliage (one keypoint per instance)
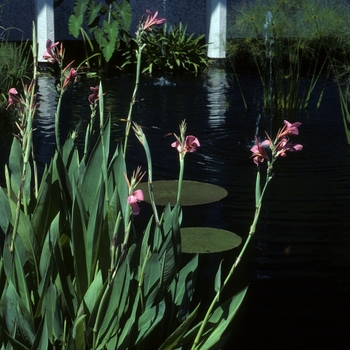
(60, 279)
(14, 64)
(171, 49)
(108, 24)
(74, 272)
(302, 40)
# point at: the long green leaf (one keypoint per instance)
(28, 237)
(78, 333)
(15, 165)
(176, 337)
(217, 284)
(78, 230)
(149, 320)
(41, 339)
(92, 176)
(93, 233)
(220, 320)
(5, 211)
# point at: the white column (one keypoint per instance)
(216, 28)
(45, 26)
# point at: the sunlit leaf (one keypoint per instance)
(217, 284)
(220, 320)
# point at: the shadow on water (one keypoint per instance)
(298, 263)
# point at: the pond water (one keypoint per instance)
(298, 263)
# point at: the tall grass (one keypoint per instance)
(14, 64)
(303, 39)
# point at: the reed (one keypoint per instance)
(290, 52)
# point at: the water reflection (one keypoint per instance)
(217, 87)
(298, 265)
(44, 133)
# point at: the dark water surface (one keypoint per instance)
(298, 263)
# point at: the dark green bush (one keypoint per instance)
(171, 49)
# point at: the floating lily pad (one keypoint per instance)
(192, 193)
(208, 240)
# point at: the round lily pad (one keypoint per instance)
(192, 193)
(208, 240)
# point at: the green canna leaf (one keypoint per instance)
(63, 281)
(47, 206)
(52, 313)
(220, 320)
(28, 237)
(15, 165)
(112, 306)
(92, 295)
(183, 286)
(78, 231)
(93, 233)
(78, 333)
(176, 337)
(92, 176)
(41, 339)
(5, 211)
(217, 284)
(19, 279)
(149, 320)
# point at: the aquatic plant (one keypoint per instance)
(291, 50)
(14, 66)
(108, 24)
(74, 273)
(171, 49)
(341, 70)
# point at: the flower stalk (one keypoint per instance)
(143, 28)
(279, 147)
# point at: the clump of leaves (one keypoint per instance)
(14, 63)
(171, 49)
(108, 23)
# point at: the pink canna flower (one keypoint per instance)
(51, 54)
(93, 98)
(287, 146)
(133, 200)
(152, 20)
(70, 77)
(13, 98)
(288, 129)
(259, 152)
(190, 145)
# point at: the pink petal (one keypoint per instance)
(135, 208)
(138, 195)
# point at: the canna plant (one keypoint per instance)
(74, 273)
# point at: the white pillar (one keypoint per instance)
(45, 26)
(216, 28)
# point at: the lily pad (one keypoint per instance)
(208, 240)
(192, 193)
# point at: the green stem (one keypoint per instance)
(104, 154)
(234, 265)
(133, 98)
(181, 175)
